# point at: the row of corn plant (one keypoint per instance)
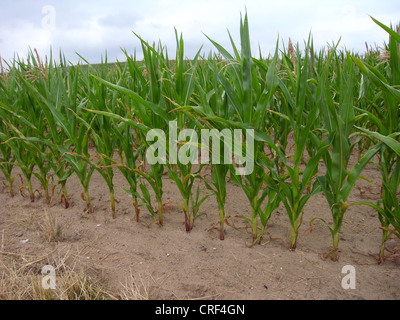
(59, 119)
(57, 96)
(25, 126)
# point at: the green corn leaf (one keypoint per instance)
(20, 118)
(141, 103)
(388, 140)
(130, 122)
(247, 70)
(312, 166)
(174, 176)
(392, 33)
(221, 49)
(356, 171)
(377, 78)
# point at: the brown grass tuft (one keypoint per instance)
(23, 281)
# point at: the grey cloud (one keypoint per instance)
(92, 27)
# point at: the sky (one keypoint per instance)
(94, 28)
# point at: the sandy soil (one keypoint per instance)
(168, 263)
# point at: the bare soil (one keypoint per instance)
(166, 262)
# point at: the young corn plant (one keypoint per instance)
(41, 158)
(260, 186)
(130, 149)
(385, 127)
(30, 122)
(219, 169)
(388, 206)
(14, 123)
(338, 181)
(6, 155)
(6, 159)
(146, 113)
(102, 128)
(179, 88)
(16, 112)
(27, 124)
(60, 105)
(184, 177)
(129, 152)
(24, 159)
(10, 98)
(128, 162)
(151, 110)
(213, 104)
(154, 179)
(228, 103)
(303, 117)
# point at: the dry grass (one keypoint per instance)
(51, 230)
(21, 272)
(132, 290)
(21, 278)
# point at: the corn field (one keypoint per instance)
(59, 120)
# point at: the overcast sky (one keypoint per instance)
(93, 27)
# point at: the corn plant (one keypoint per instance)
(130, 149)
(129, 152)
(212, 102)
(338, 182)
(260, 185)
(8, 94)
(128, 161)
(179, 88)
(184, 177)
(28, 126)
(15, 127)
(40, 157)
(6, 159)
(151, 115)
(302, 113)
(385, 127)
(59, 103)
(102, 129)
(26, 119)
(228, 103)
